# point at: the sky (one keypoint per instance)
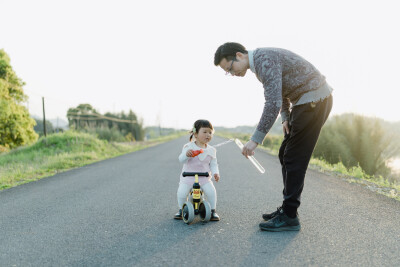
(156, 57)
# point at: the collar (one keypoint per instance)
(209, 150)
(251, 60)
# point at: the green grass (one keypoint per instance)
(379, 184)
(357, 175)
(61, 152)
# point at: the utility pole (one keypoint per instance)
(44, 119)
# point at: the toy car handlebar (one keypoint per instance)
(206, 174)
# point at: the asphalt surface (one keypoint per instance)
(118, 212)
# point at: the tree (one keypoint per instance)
(83, 116)
(135, 128)
(16, 125)
(39, 127)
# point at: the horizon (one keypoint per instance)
(220, 126)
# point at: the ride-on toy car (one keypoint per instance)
(196, 204)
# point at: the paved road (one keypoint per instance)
(118, 212)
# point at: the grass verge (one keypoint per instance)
(353, 175)
(61, 152)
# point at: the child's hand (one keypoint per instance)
(189, 153)
(216, 177)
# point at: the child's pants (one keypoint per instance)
(208, 189)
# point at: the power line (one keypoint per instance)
(78, 116)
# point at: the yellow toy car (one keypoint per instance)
(196, 204)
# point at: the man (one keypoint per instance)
(296, 89)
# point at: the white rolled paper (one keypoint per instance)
(251, 158)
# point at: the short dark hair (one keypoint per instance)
(200, 124)
(228, 51)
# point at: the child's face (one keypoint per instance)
(204, 136)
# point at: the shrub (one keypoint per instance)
(355, 141)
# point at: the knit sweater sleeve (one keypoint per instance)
(269, 71)
(285, 110)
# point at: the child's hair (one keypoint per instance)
(199, 124)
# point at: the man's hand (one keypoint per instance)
(285, 126)
(216, 177)
(248, 149)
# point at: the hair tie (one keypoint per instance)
(194, 129)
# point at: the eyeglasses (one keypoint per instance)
(230, 72)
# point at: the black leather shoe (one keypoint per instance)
(269, 216)
(281, 222)
(178, 215)
(214, 216)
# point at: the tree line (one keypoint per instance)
(110, 126)
(17, 127)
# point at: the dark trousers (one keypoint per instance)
(297, 147)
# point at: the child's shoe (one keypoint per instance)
(214, 216)
(178, 215)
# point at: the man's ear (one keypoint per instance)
(239, 55)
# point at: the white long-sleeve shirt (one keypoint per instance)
(204, 162)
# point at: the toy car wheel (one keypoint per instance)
(188, 212)
(205, 211)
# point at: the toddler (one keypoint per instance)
(205, 162)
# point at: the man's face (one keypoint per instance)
(236, 67)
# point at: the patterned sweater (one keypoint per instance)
(287, 79)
